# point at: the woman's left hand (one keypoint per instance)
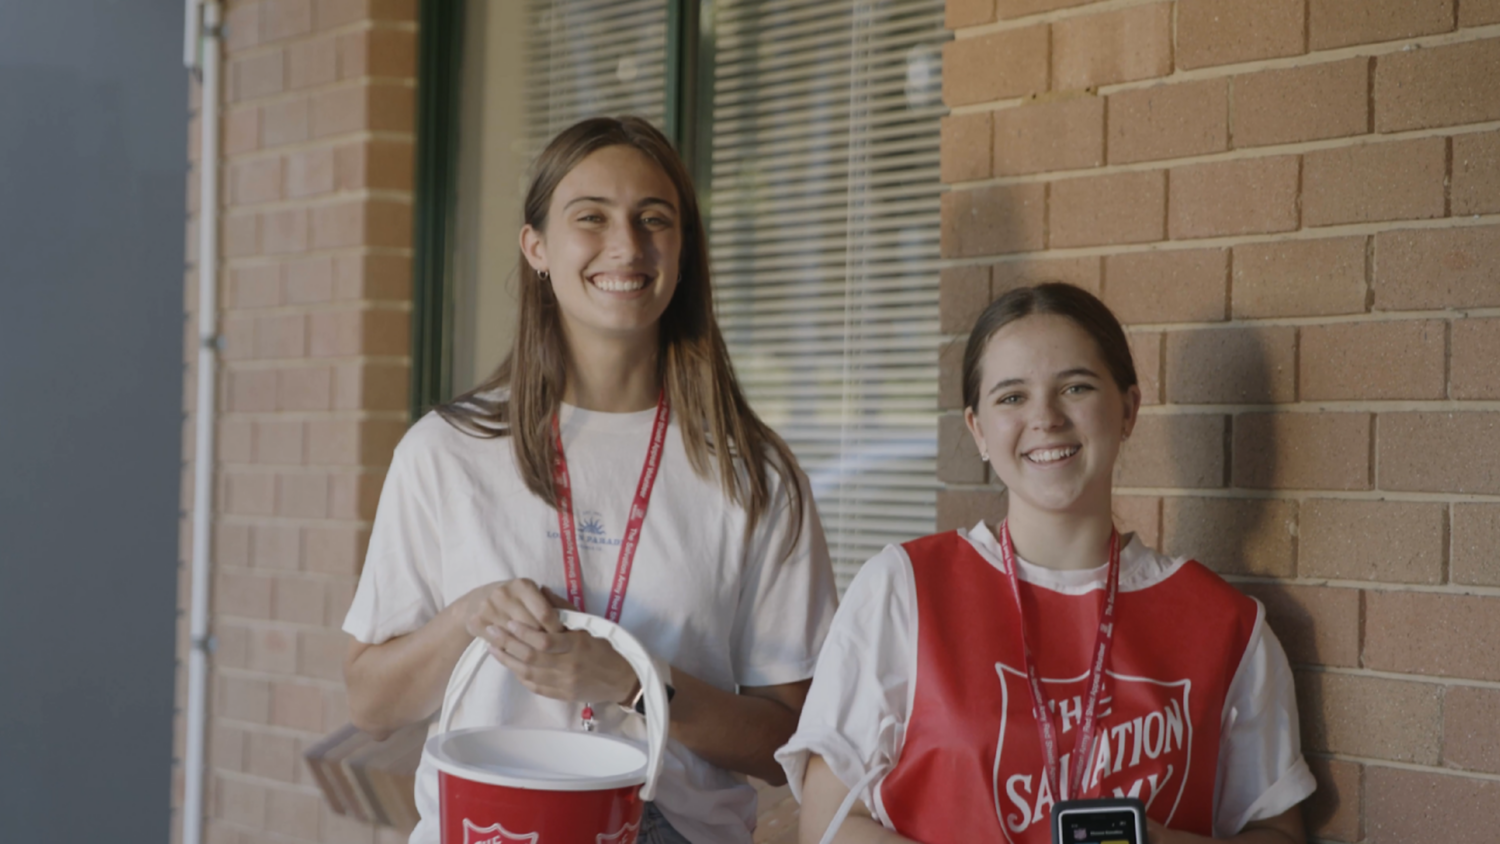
(571, 665)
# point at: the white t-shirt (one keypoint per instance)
(454, 515)
(856, 713)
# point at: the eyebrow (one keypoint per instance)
(1066, 373)
(650, 200)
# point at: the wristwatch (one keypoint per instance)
(638, 700)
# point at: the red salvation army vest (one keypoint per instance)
(971, 766)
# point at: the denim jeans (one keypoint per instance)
(656, 830)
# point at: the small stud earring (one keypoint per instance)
(985, 456)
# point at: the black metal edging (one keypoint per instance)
(689, 88)
(439, 65)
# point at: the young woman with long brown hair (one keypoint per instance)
(512, 501)
(974, 678)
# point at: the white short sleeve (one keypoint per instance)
(787, 595)
(855, 715)
(1261, 769)
(397, 590)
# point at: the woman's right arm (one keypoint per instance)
(822, 793)
(402, 679)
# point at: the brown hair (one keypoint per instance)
(719, 430)
(1053, 297)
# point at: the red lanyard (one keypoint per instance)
(1103, 643)
(572, 569)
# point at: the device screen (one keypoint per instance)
(1102, 826)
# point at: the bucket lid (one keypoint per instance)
(544, 760)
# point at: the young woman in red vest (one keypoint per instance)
(957, 659)
(617, 415)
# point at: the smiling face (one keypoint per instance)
(1050, 417)
(612, 243)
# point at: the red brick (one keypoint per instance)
(241, 130)
(333, 13)
(226, 748)
(335, 550)
(1390, 541)
(1176, 285)
(998, 66)
(1476, 173)
(1169, 121)
(950, 374)
(1475, 548)
(353, 495)
(285, 231)
(309, 173)
(276, 547)
(273, 650)
(386, 277)
(993, 220)
(255, 181)
(1370, 716)
(373, 107)
(1339, 23)
(1232, 365)
(362, 223)
(233, 440)
(1330, 100)
(272, 756)
(238, 337)
(1245, 536)
(240, 802)
(963, 508)
(243, 699)
(1439, 86)
(285, 19)
(1391, 181)
(1179, 450)
(249, 494)
(359, 386)
(310, 281)
(349, 442)
(1408, 805)
(303, 496)
(311, 63)
(280, 336)
(1118, 46)
(241, 26)
(1118, 208)
(1299, 278)
(240, 235)
(293, 814)
(965, 147)
(1437, 452)
(285, 122)
(962, 13)
(1373, 360)
(1317, 625)
(340, 597)
(378, 52)
(1470, 741)
(963, 292)
(301, 601)
(232, 645)
(297, 706)
(1214, 32)
(1425, 269)
(389, 165)
(1079, 272)
(243, 594)
(1478, 12)
(278, 442)
(231, 545)
(1265, 192)
(1334, 811)
(1302, 451)
(322, 654)
(305, 388)
(958, 460)
(1433, 634)
(1056, 134)
(1141, 515)
(257, 286)
(1145, 350)
(361, 331)
(263, 75)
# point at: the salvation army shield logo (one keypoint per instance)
(1143, 747)
(625, 835)
(495, 834)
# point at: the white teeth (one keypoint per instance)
(618, 284)
(1051, 455)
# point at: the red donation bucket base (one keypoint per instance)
(480, 813)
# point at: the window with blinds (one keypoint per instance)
(824, 234)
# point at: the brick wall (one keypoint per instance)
(1295, 206)
(314, 281)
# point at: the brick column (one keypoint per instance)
(316, 224)
(1295, 207)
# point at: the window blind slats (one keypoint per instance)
(824, 235)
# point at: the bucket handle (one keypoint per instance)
(627, 646)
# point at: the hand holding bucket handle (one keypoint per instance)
(628, 647)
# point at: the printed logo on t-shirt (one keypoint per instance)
(592, 532)
(1143, 744)
(495, 834)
